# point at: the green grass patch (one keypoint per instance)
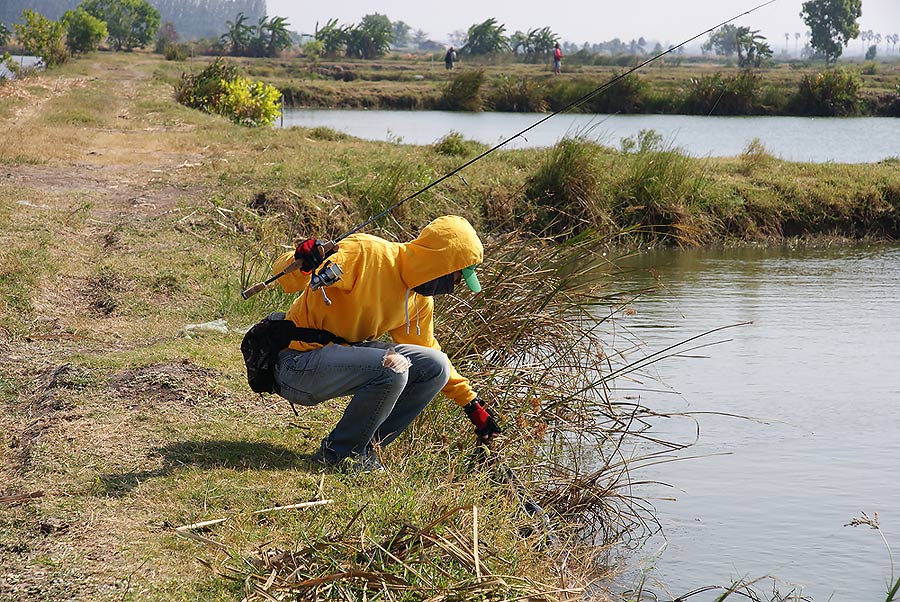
(80, 107)
(143, 429)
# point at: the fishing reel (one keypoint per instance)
(327, 275)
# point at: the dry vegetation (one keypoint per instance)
(125, 217)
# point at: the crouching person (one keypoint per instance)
(384, 287)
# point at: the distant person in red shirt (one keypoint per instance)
(557, 59)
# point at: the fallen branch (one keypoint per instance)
(20, 497)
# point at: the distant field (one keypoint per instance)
(666, 86)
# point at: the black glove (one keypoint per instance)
(484, 419)
(312, 252)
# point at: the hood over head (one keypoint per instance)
(447, 244)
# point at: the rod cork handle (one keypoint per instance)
(253, 290)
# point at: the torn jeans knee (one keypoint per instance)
(397, 362)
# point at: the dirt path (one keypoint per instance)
(78, 204)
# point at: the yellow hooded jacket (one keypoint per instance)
(373, 296)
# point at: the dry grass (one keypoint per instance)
(124, 220)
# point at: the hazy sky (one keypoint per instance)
(580, 21)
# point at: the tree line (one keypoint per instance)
(832, 24)
(125, 24)
(132, 23)
(194, 18)
(375, 35)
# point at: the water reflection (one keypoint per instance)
(21, 62)
(815, 375)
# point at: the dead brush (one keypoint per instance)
(540, 346)
(442, 560)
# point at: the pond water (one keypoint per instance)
(808, 139)
(816, 376)
(22, 61)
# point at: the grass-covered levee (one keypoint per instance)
(125, 218)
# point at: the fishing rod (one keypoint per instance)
(330, 246)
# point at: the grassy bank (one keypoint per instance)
(124, 217)
(667, 86)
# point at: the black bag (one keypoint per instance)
(265, 340)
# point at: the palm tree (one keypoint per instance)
(332, 36)
(753, 44)
(277, 36)
(545, 40)
(535, 43)
(787, 39)
(371, 38)
(239, 36)
(797, 37)
(486, 38)
(518, 43)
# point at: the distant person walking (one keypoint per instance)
(557, 59)
(449, 59)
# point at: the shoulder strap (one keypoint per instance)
(316, 335)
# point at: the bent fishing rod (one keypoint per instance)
(329, 246)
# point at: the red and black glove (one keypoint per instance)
(312, 253)
(484, 419)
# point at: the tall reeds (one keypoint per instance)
(463, 91)
(659, 192)
(539, 347)
(561, 195)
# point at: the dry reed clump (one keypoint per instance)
(538, 345)
(445, 559)
(660, 192)
(463, 91)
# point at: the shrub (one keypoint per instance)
(517, 95)
(627, 95)
(463, 91)
(220, 88)
(84, 32)
(166, 38)
(561, 193)
(454, 145)
(624, 96)
(718, 95)
(249, 103)
(829, 94)
(177, 52)
(202, 91)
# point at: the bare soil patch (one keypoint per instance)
(167, 383)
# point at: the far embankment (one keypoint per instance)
(803, 139)
(701, 87)
(642, 188)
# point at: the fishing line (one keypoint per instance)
(575, 103)
(246, 294)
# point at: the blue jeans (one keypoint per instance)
(385, 401)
